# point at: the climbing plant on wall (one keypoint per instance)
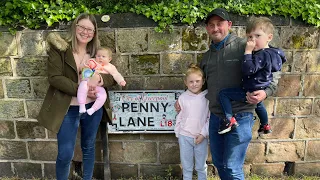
(34, 13)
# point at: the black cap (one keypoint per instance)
(218, 12)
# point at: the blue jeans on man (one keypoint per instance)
(67, 139)
(228, 150)
(238, 94)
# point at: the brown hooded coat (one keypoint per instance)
(63, 80)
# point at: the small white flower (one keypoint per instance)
(105, 18)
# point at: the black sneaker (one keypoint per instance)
(226, 125)
(264, 129)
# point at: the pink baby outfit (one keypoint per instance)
(101, 92)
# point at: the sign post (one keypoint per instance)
(145, 111)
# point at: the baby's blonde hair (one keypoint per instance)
(264, 23)
(109, 51)
(194, 69)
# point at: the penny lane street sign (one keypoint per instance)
(143, 111)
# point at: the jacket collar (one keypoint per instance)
(56, 41)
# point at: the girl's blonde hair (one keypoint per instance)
(93, 45)
(194, 69)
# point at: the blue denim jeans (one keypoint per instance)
(229, 150)
(67, 139)
(238, 94)
(191, 155)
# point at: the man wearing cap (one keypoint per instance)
(222, 67)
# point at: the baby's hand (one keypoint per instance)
(250, 46)
(122, 83)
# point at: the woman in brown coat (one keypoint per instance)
(60, 110)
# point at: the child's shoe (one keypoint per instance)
(226, 125)
(264, 129)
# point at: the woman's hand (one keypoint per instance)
(92, 84)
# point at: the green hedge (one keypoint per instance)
(32, 13)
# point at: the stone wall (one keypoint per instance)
(151, 60)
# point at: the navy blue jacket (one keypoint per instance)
(257, 68)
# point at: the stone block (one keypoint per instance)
(11, 109)
(49, 170)
(5, 170)
(126, 20)
(107, 39)
(287, 66)
(33, 108)
(140, 152)
(160, 137)
(317, 107)
(7, 130)
(27, 170)
(313, 153)
(176, 63)
(13, 150)
(313, 60)
(134, 83)
(78, 152)
(40, 87)
(51, 135)
(123, 137)
(299, 37)
(8, 45)
(5, 67)
(195, 39)
(294, 107)
(77, 155)
(199, 57)
(1, 91)
(122, 64)
(19, 88)
(270, 169)
(30, 130)
(276, 41)
(120, 171)
(311, 85)
(165, 171)
(289, 86)
(164, 83)
(29, 66)
(166, 150)
(306, 61)
(43, 150)
(132, 40)
(98, 171)
(307, 128)
(240, 31)
(256, 153)
(282, 128)
(285, 151)
(32, 43)
(145, 64)
(307, 169)
(165, 41)
(116, 151)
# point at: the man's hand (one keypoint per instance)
(256, 96)
(177, 106)
(199, 139)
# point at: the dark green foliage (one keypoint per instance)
(33, 13)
